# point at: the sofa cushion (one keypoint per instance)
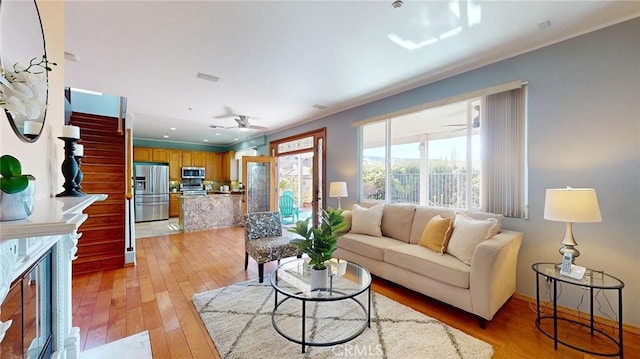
(421, 260)
(422, 216)
(367, 220)
(396, 221)
(484, 215)
(437, 233)
(467, 234)
(365, 245)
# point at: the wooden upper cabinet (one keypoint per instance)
(197, 159)
(175, 164)
(161, 155)
(211, 165)
(227, 157)
(142, 154)
(187, 159)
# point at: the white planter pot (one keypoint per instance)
(319, 278)
(18, 205)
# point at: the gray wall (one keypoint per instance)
(584, 131)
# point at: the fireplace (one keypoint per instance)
(28, 308)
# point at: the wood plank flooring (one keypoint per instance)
(155, 295)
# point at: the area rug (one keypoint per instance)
(238, 318)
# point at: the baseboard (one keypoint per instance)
(130, 258)
(574, 313)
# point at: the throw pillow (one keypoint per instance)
(436, 234)
(367, 220)
(467, 234)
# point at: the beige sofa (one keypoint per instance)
(480, 288)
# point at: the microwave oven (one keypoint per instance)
(193, 172)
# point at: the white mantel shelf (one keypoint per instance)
(50, 217)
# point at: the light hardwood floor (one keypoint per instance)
(155, 295)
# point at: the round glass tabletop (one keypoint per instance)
(343, 280)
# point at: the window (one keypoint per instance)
(435, 156)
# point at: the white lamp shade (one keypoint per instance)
(572, 205)
(338, 189)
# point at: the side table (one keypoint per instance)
(593, 280)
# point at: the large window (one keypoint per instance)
(435, 156)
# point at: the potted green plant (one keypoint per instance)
(320, 243)
(17, 191)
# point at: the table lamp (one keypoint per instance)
(571, 205)
(338, 189)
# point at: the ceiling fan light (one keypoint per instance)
(243, 129)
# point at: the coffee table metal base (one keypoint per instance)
(302, 341)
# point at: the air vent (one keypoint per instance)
(71, 57)
(207, 77)
(545, 24)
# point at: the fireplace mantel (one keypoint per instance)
(52, 226)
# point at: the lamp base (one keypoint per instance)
(569, 243)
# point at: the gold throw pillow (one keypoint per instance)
(436, 234)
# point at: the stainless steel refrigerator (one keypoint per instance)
(151, 187)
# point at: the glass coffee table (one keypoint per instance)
(346, 282)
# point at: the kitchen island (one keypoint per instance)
(211, 211)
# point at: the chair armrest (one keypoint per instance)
(493, 272)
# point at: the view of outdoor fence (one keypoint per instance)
(447, 186)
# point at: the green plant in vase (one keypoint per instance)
(320, 243)
(17, 191)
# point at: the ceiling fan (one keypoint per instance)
(475, 122)
(243, 125)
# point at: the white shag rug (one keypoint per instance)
(238, 318)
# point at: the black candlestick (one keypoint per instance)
(79, 176)
(69, 169)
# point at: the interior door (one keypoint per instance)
(258, 176)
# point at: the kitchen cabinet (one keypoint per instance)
(142, 154)
(227, 157)
(175, 164)
(174, 204)
(197, 159)
(160, 155)
(212, 168)
(187, 159)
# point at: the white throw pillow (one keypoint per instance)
(367, 220)
(467, 234)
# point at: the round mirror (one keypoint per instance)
(24, 81)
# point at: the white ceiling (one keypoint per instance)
(276, 59)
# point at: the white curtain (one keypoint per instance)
(503, 153)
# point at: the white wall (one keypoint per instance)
(35, 156)
(584, 131)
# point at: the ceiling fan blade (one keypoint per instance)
(228, 112)
(259, 128)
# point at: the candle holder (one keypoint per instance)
(80, 175)
(69, 169)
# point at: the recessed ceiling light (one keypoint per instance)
(166, 136)
(235, 139)
(319, 107)
(218, 134)
(205, 140)
(207, 77)
(172, 128)
(545, 24)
